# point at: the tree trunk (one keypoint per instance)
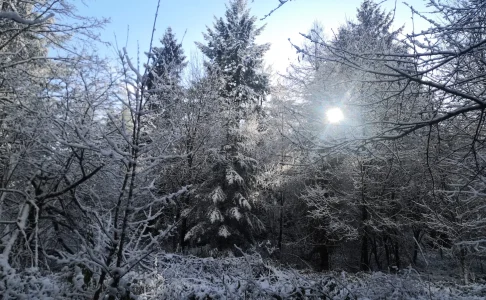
(175, 239)
(183, 233)
(397, 255)
(387, 251)
(365, 264)
(464, 268)
(280, 231)
(324, 255)
(416, 235)
(375, 253)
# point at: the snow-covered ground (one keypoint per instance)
(245, 277)
(249, 277)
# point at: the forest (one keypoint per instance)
(359, 173)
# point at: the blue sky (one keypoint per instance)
(192, 16)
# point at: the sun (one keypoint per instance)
(334, 115)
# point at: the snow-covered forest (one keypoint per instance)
(360, 173)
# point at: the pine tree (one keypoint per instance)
(372, 30)
(168, 63)
(233, 53)
(237, 60)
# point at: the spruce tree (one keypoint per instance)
(372, 31)
(234, 57)
(233, 53)
(164, 79)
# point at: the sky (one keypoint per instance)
(189, 18)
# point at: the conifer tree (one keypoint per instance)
(232, 52)
(237, 60)
(371, 30)
(164, 79)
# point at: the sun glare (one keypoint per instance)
(335, 115)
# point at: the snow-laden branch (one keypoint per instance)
(10, 15)
(282, 2)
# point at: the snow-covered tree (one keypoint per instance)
(40, 100)
(165, 73)
(367, 193)
(227, 209)
(419, 93)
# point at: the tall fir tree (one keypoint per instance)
(233, 53)
(164, 79)
(235, 58)
(371, 31)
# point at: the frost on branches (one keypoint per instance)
(167, 177)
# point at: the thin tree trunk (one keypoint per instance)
(280, 231)
(365, 264)
(324, 255)
(387, 251)
(397, 255)
(464, 269)
(416, 235)
(375, 253)
(175, 239)
(183, 233)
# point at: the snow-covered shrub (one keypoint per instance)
(31, 284)
(249, 277)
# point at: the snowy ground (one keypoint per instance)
(250, 278)
(246, 277)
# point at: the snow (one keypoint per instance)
(235, 213)
(250, 277)
(233, 177)
(223, 231)
(246, 204)
(17, 18)
(218, 195)
(246, 276)
(55, 138)
(215, 216)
